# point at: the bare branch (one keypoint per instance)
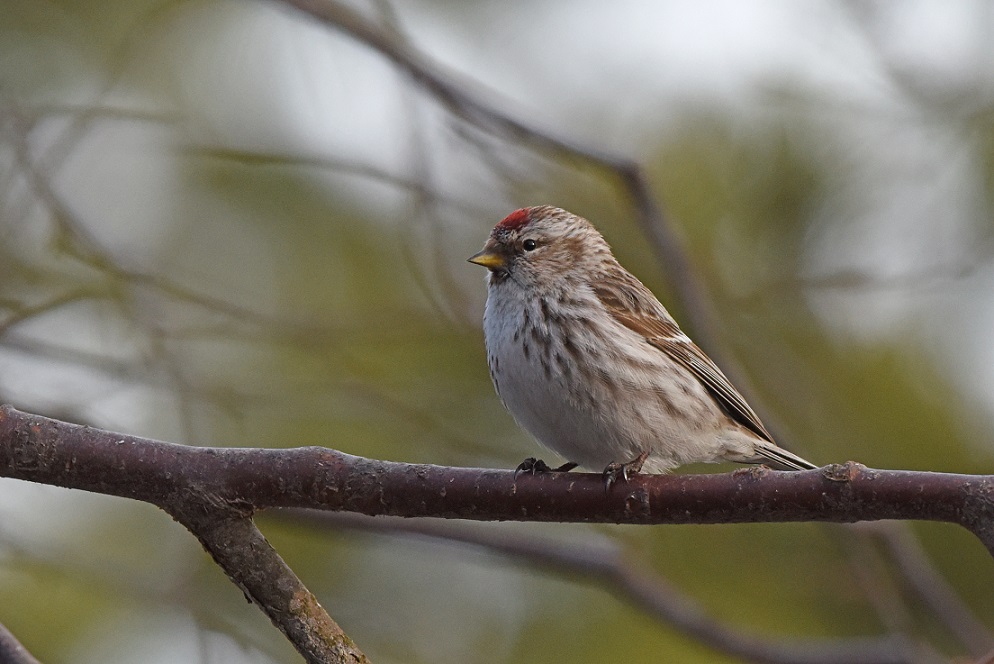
(214, 492)
(164, 475)
(47, 451)
(253, 565)
(11, 650)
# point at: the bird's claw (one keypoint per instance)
(533, 466)
(625, 470)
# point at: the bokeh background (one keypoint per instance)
(224, 223)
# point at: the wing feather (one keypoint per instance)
(634, 306)
(700, 365)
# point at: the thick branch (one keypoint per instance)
(46, 451)
(172, 476)
(11, 650)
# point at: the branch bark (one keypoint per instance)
(215, 491)
(213, 504)
(179, 479)
(11, 650)
(237, 546)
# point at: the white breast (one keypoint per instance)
(591, 389)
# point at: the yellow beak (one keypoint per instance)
(488, 259)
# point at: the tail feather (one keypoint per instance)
(782, 457)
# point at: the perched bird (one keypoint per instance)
(589, 362)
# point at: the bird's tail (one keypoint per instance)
(780, 457)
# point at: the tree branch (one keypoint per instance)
(215, 491)
(11, 650)
(213, 504)
(176, 477)
(248, 559)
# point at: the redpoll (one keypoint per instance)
(589, 362)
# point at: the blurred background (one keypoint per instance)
(225, 223)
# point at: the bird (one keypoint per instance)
(590, 363)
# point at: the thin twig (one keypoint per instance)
(869, 569)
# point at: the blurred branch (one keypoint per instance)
(871, 573)
(22, 313)
(246, 157)
(919, 573)
(608, 564)
(87, 247)
(457, 97)
(11, 650)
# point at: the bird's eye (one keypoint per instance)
(529, 244)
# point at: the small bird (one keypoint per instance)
(589, 362)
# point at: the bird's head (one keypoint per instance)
(543, 246)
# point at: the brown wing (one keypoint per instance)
(634, 306)
(693, 358)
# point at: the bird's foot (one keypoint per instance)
(625, 470)
(533, 466)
